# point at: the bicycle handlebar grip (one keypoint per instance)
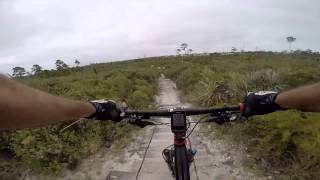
(240, 107)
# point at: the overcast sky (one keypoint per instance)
(41, 31)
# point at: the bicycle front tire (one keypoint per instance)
(181, 163)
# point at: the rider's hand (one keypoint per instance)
(106, 110)
(259, 103)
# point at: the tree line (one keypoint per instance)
(37, 69)
(183, 50)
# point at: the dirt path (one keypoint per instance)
(215, 159)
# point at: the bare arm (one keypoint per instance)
(306, 98)
(25, 107)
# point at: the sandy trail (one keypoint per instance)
(215, 159)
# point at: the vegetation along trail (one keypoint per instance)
(281, 145)
(215, 159)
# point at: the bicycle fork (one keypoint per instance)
(180, 140)
(169, 155)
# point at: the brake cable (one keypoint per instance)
(202, 118)
(71, 124)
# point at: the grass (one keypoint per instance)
(47, 150)
(285, 141)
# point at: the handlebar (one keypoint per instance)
(188, 111)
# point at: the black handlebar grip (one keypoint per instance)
(239, 107)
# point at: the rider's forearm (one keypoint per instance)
(306, 98)
(25, 107)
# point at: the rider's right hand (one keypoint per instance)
(106, 110)
(262, 102)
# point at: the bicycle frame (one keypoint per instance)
(179, 129)
(181, 162)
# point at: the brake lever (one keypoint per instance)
(221, 118)
(140, 123)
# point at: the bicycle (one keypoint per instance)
(178, 156)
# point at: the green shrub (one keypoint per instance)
(289, 141)
(47, 150)
(138, 99)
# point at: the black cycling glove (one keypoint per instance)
(106, 110)
(262, 102)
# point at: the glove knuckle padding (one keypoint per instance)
(260, 103)
(107, 111)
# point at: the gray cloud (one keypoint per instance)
(41, 31)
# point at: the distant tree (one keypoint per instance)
(184, 47)
(36, 69)
(290, 40)
(178, 51)
(60, 65)
(18, 71)
(234, 49)
(77, 62)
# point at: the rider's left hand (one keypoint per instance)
(106, 110)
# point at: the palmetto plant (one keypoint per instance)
(212, 92)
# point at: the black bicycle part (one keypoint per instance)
(140, 123)
(187, 111)
(168, 156)
(179, 125)
(178, 122)
(181, 163)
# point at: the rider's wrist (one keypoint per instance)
(94, 110)
(277, 102)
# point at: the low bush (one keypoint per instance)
(47, 150)
(287, 141)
